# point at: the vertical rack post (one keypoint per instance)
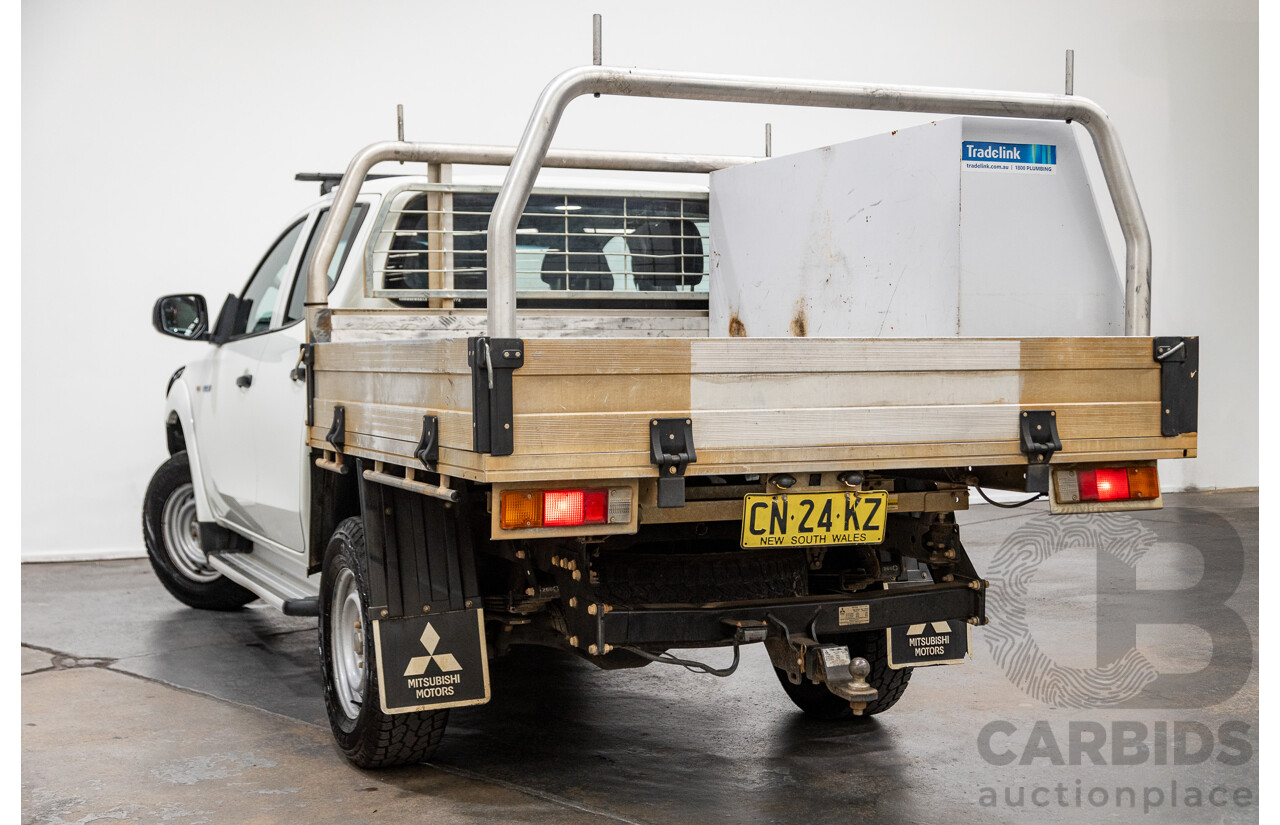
(597, 44)
(1071, 74)
(440, 234)
(400, 124)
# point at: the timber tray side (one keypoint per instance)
(581, 408)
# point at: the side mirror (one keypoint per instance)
(182, 316)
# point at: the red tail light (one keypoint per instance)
(562, 508)
(1112, 484)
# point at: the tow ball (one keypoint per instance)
(802, 657)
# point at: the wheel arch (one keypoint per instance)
(180, 430)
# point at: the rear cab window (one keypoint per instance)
(633, 248)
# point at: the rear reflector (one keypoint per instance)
(565, 508)
(1107, 484)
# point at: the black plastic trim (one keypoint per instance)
(310, 606)
(308, 365)
(172, 378)
(420, 551)
(216, 539)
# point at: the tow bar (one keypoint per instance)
(803, 657)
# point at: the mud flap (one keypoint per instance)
(928, 643)
(432, 661)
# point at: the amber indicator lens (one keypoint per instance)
(521, 508)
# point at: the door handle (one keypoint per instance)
(244, 381)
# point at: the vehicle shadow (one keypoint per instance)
(659, 744)
(255, 657)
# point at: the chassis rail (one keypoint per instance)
(680, 624)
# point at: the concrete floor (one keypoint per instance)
(135, 708)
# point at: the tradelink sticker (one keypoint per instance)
(1030, 158)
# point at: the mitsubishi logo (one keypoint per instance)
(418, 664)
(913, 630)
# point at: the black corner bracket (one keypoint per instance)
(1040, 441)
(306, 371)
(216, 539)
(428, 451)
(671, 448)
(492, 361)
(1179, 360)
(337, 435)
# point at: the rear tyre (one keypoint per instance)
(816, 701)
(366, 736)
(172, 536)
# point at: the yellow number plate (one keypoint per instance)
(807, 519)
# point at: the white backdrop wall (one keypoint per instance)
(160, 139)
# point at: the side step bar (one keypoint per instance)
(302, 607)
(272, 586)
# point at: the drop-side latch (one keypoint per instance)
(671, 448)
(1039, 442)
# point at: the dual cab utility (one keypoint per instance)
(637, 423)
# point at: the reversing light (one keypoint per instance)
(1107, 484)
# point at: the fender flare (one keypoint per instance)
(178, 402)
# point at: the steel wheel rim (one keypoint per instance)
(346, 639)
(181, 531)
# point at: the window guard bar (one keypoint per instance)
(534, 152)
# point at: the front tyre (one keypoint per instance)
(367, 736)
(172, 535)
(816, 701)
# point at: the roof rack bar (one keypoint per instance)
(534, 150)
(358, 171)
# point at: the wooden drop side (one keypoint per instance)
(582, 405)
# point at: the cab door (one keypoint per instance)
(279, 402)
(224, 405)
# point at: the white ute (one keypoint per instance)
(450, 418)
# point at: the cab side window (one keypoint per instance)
(258, 302)
(298, 296)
